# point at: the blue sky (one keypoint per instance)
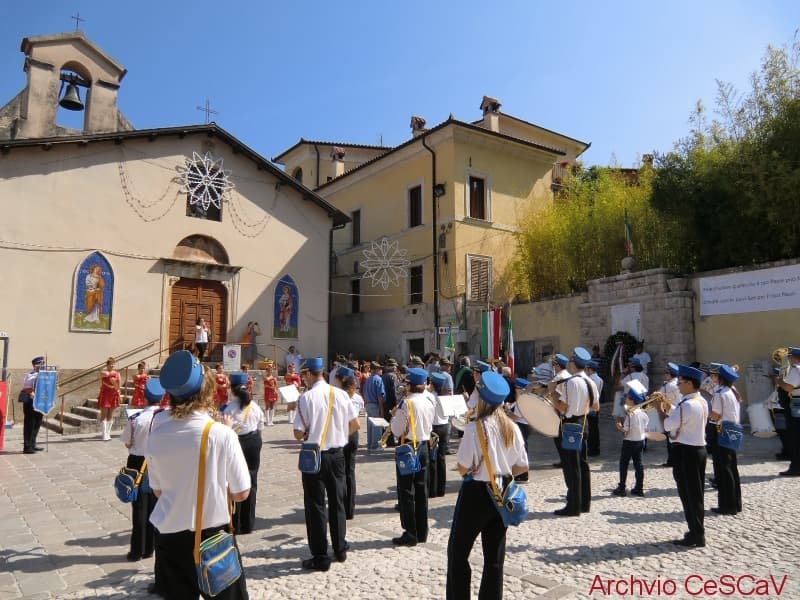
(622, 75)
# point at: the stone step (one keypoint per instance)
(53, 424)
(86, 411)
(84, 424)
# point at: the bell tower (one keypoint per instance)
(61, 68)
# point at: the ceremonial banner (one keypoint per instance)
(510, 345)
(490, 334)
(44, 397)
(751, 291)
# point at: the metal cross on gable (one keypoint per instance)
(207, 110)
(78, 20)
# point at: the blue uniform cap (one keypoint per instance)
(313, 364)
(153, 392)
(438, 379)
(492, 388)
(561, 360)
(594, 365)
(181, 375)
(672, 368)
(481, 367)
(690, 373)
(37, 360)
(581, 356)
(417, 376)
(343, 372)
(637, 397)
(237, 378)
(521, 383)
(794, 351)
(634, 361)
(727, 374)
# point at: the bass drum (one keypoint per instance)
(458, 423)
(539, 414)
(760, 422)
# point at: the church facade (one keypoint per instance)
(117, 239)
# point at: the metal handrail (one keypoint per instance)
(122, 356)
(88, 371)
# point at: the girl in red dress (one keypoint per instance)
(289, 378)
(223, 385)
(139, 380)
(270, 393)
(108, 398)
(250, 380)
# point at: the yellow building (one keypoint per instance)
(432, 224)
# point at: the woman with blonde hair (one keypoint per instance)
(173, 450)
(475, 512)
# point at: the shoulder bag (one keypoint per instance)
(216, 559)
(309, 460)
(512, 503)
(127, 482)
(405, 455)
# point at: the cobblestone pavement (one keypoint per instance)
(63, 534)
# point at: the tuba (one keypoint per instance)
(780, 356)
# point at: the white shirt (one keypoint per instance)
(447, 388)
(201, 334)
(423, 418)
(725, 404)
(793, 376)
(502, 458)
(358, 402)
(295, 359)
(576, 395)
(518, 414)
(689, 420)
(439, 417)
(598, 383)
(671, 391)
(644, 359)
(312, 409)
(332, 374)
(246, 420)
(639, 376)
(172, 452)
(137, 428)
(635, 425)
(29, 382)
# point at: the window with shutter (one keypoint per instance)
(415, 285)
(477, 198)
(479, 269)
(355, 298)
(415, 206)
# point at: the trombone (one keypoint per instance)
(654, 400)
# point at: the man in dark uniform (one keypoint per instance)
(464, 380)
(33, 418)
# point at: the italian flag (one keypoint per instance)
(510, 361)
(490, 334)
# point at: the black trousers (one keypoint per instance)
(177, 576)
(475, 513)
(577, 477)
(331, 481)
(350, 475)
(525, 430)
(244, 519)
(669, 451)
(631, 450)
(412, 494)
(593, 441)
(142, 531)
(688, 470)
(779, 418)
(437, 470)
(726, 473)
(793, 439)
(31, 425)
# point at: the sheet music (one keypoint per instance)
(289, 393)
(453, 405)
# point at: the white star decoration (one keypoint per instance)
(205, 180)
(385, 263)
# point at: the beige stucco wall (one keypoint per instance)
(553, 319)
(64, 203)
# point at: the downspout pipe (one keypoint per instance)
(316, 149)
(434, 205)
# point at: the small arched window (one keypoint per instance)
(298, 174)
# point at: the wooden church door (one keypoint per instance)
(191, 300)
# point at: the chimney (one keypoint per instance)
(491, 113)
(337, 156)
(417, 126)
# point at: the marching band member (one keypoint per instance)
(791, 384)
(472, 400)
(578, 398)
(686, 423)
(475, 511)
(560, 363)
(309, 422)
(347, 381)
(514, 413)
(593, 442)
(437, 476)
(725, 407)
(634, 428)
(411, 489)
(33, 418)
(670, 389)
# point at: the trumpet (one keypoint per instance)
(654, 400)
(780, 356)
(385, 437)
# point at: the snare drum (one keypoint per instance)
(539, 414)
(760, 422)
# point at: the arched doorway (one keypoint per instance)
(191, 300)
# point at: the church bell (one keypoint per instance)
(71, 99)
